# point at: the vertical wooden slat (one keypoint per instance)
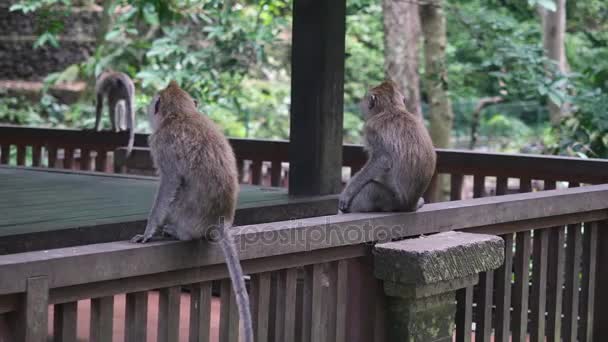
(136, 316)
(200, 312)
(233, 325)
(485, 289)
(503, 293)
(332, 296)
(68, 158)
(21, 155)
(35, 321)
(275, 173)
(52, 156)
(464, 314)
(168, 314)
(456, 187)
(555, 281)
(571, 288)
(479, 183)
(64, 322)
(521, 285)
(307, 297)
(256, 172)
(502, 184)
(36, 155)
(261, 298)
(525, 185)
(102, 319)
(101, 161)
(539, 284)
(225, 292)
(600, 318)
(85, 159)
(342, 301)
(291, 283)
(588, 281)
(380, 323)
(320, 312)
(5, 153)
(279, 327)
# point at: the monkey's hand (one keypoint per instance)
(148, 234)
(344, 202)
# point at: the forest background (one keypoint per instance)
(514, 76)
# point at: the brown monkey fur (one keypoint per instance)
(198, 183)
(401, 156)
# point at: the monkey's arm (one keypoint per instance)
(373, 171)
(166, 194)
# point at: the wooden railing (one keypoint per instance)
(472, 174)
(313, 281)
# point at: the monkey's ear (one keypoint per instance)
(372, 102)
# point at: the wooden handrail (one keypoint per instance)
(108, 261)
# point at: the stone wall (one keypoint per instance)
(18, 32)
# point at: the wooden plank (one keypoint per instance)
(240, 165)
(64, 322)
(539, 285)
(136, 316)
(588, 281)
(275, 173)
(571, 288)
(503, 293)
(600, 318)
(225, 296)
(102, 319)
(261, 283)
(479, 184)
(21, 155)
(317, 96)
(332, 296)
(555, 281)
(291, 282)
(168, 314)
(36, 155)
(320, 305)
(5, 153)
(200, 312)
(307, 297)
(36, 309)
(464, 314)
(456, 187)
(234, 322)
(280, 305)
(342, 299)
(525, 184)
(485, 291)
(521, 286)
(68, 158)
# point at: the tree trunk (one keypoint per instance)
(432, 18)
(554, 34)
(401, 49)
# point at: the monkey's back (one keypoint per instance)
(408, 144)
(205, 163)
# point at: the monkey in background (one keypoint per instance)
(120, 91)
(198, 183)
(401, 156)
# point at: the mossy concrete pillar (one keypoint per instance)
(421, 277)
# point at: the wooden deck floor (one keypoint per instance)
(43, 208)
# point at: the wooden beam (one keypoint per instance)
(317, 96)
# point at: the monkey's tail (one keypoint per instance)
(130, 123)
(238, 283)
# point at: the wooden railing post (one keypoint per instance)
(600, 318)
(421, 277)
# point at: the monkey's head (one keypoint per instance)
(383, 97)
(170, 101)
